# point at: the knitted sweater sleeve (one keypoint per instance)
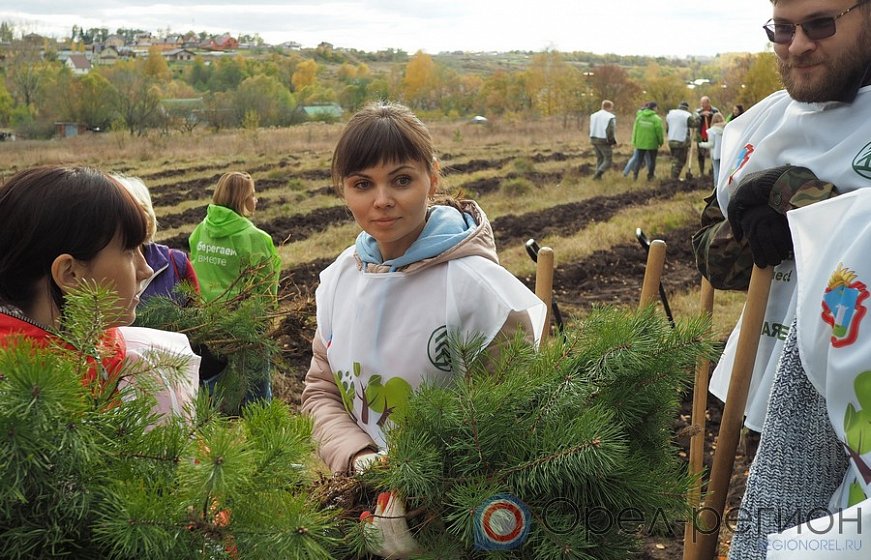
(798, 466)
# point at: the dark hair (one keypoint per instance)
(379, 133)
(52, 210)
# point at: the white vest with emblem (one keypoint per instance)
(827, 139)
(387, 333)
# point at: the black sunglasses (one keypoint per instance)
(815, 29)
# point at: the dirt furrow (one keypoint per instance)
(567, 219)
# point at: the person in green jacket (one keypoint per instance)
(232, 256)
(647, 137)
(226, 243)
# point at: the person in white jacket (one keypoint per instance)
(418, 275)
(714, 142)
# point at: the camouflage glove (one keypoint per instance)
(751, 214)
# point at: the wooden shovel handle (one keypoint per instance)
(697, 423)
(652, 273)
(544, 285)
(733, 413)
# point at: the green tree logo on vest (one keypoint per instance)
(384, 398)
(862, 161)
(857, 428)
(438, 350)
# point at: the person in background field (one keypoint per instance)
(704, 113)
(783, 159)
(171, 266)
(715, 142)
(418, 271)
(227, 242)
(737, 111)
(230, 254)
(635, 158)
(680, 123)
(647, 137)
(65, 226)
(603, 125)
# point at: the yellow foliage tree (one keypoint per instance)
(156, 66)
(545, 83)
(305, 74)
(420, 79)
(347, 72)
(761, 79)
(667, 88)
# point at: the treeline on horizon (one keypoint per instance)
(273, 86)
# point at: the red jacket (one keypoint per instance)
(12, 327)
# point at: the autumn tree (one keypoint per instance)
(6, 106)
(734, 70)
(419, 81)
(305, 74)
(505, 91)
(25, 71)
(267, 98)
(137, 95)
(543, 82)
(347, 72)
(354, 85)
(156, 67)
(198, 74)
(378, 88)
(228, 74)
(761, 79)
(667, 88)
(219, 110)
(610, 81)
(463, 94)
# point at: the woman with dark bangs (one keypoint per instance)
(419, 273)
(64, 226)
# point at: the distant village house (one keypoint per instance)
(78, 63)
(179, 55)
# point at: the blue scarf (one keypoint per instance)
(445, 228)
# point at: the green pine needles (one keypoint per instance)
(231, 331)
(95, 476)
(580, 433)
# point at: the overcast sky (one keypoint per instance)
(643, 27)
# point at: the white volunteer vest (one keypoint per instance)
(387, 333)
(825, 138)
(678, 130)
(599, 124)
(834, 336)
(173, 392)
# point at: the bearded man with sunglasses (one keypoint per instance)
(797, 147)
